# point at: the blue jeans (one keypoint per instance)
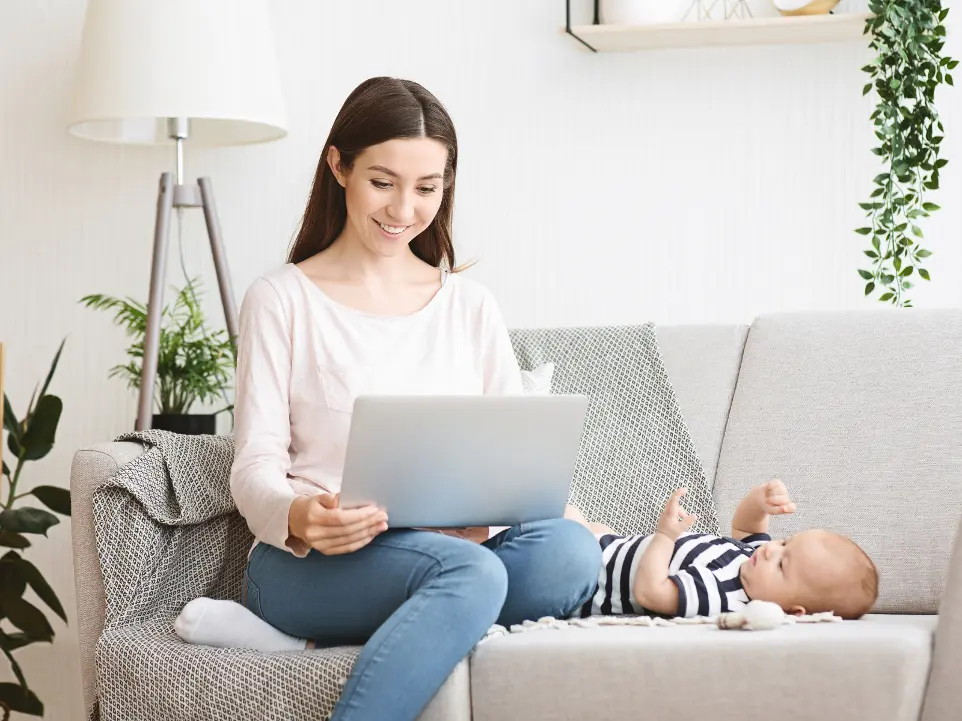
(419, 602)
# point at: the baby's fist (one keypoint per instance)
(675, 520)
(775, 499)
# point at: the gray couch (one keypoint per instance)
(861, 414)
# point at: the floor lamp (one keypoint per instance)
(151, 72)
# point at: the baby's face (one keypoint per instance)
(787, 571)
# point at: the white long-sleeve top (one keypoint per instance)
(302, 359)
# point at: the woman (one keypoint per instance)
(366, 304)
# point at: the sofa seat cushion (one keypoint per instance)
(234, 684)
(874, 668)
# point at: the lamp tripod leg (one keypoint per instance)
(155, 303)
(220, 257)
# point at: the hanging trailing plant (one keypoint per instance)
(908, 36)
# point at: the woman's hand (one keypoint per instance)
(318, 522)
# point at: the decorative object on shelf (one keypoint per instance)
(158, 72)
(703, 10)
(194, 363)
(29, 439)
(908, 37)
(805, 7)
(642, 12)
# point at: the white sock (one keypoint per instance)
(226, 624)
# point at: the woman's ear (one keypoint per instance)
(334, 163)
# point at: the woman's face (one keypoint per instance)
(393, 192)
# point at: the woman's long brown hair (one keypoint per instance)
(378, 110)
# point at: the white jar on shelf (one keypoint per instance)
(643, 12)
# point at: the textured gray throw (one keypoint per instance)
(168, 532)
(636, 448)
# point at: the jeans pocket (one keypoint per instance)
(252, 596)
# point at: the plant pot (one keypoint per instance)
(191, 424)
(801, 7)
(643, 12)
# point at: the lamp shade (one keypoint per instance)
(211, 61)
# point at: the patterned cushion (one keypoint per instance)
(636, 448)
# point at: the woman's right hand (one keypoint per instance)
(318, 522)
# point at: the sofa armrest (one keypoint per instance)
(943, 698)
(91, 467)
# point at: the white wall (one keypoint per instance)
(683, 186)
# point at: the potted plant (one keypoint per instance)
(194, 363)
(908, 38)
(30, 439)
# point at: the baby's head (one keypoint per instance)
(811, 572)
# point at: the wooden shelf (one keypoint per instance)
(756, 31)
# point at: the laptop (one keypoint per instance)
(463, 460)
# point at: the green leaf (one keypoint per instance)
(6, 469)
(53, 497)
(27, 520)
(20, 699)
(10, 421)
(930, 206)
(869, 287)
(12, 582)
(875, 244)
(53, 368)
(907, 271)
(866, 274)
(870, 253)
(27, 617)
(13, 641)
(917, 231)
(40, 586)
(863, 231)
(886, 296)
(924, 253)
(9, 539)
(42, 430)
(924, 273)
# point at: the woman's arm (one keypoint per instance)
(262, 431)
(502, 376)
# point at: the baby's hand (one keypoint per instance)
(675, 520)
(774, 499)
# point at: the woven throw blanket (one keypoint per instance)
(167, 532)
(636, 448)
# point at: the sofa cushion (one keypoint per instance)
(874, 668)
(274, 686)
(636, 448)
(702, 362)
(860, 414)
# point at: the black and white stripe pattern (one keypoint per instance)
(703, 567)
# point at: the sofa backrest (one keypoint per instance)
(702, 363)
(860, 414)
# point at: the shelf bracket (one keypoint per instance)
(595, 21)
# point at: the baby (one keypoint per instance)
(675, 573)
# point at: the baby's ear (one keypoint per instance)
(797, 610)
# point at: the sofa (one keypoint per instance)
(860, 413)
